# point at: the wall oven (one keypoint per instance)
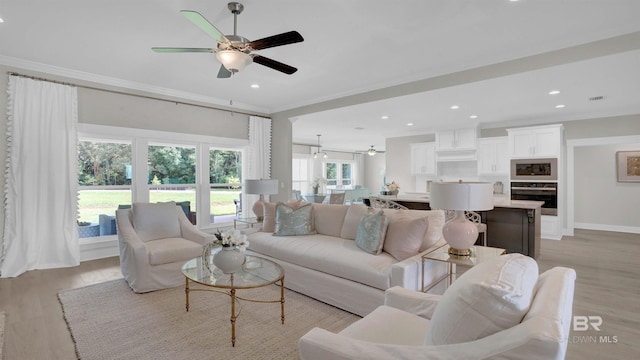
(537, 191)
(534, 169)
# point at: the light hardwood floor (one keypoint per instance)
(608, 285)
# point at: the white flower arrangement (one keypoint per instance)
(232, 238)
(318, 181)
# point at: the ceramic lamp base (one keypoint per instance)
(258, 208)
(460, 234)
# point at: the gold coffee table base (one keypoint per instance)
(256, 272)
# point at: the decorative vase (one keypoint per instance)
(315, 190)
(228, 259)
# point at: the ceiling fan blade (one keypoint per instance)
(223, 72)
(290, 37)
(204, 24)
(181, 50)
(275, 65)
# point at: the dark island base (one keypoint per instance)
(516, 230)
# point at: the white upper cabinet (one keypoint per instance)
(461, 139)
(533, 142)
(493, 157)
(423, 159)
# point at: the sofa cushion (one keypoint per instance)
(269, 221)
(290, 222)
(169, 250)
(156, 220)
(404, 237)
(327, 254)
(352, 221)
(328, 218)
(388, 325)
(488, 298)
(434, 230)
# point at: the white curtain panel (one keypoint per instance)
(259, 156)
(41, 196)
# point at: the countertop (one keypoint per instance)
(498, 201)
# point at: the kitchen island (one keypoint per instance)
(513, 225)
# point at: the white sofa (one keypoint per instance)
(330, 267)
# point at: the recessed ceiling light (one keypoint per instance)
(559, 106)
(384, 117)
(554, 92)
(473, 116)
(409, 124)
(255, 86)
(455, 107)
(1, 21)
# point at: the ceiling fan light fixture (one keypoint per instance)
(371, 151)
(233, 60)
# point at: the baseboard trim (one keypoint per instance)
(98, 247)
(606, 227)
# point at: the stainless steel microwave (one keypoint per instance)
(534, 169)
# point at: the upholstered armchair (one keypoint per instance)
(489, 312)
(155, 240)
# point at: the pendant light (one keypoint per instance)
(371, 151)
(315, 154)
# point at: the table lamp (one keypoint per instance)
(260, 187)
(460, 233)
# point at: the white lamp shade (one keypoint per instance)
(234, 60)
(461, 196)
(261, 187)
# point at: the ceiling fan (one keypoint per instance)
(372, 151)
(233, 51)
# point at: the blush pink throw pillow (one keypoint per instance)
(404, 237)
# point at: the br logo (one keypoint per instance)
(583, 323)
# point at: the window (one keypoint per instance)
(225, 182)
(339, 174)
(116, 170)
(104, 179)
(301, 174)
(172, 175)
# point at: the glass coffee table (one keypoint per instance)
(256, 272)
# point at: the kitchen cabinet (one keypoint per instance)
(535, 142)
(493, 156)
(423, 159)
(460, 139)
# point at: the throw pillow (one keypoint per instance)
(371, 232)
(352, 221)
(404, 237)
(156, 221)
(290, 222)
(488, 298)
(269, 221)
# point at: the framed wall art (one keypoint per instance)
(628, 166)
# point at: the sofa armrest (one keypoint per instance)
(190, 232)
(408, 273)
(320, 344)
(414, 302)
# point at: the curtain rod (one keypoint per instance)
(137, 95)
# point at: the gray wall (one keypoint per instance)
(398, 158)
(373, 165)
(599, 198)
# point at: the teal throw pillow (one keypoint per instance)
(371, 232)
(290, 222)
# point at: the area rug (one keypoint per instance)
(109, 321)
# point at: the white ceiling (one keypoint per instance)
(353, 47)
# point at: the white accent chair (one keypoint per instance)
(415, 325)
(155, 240)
